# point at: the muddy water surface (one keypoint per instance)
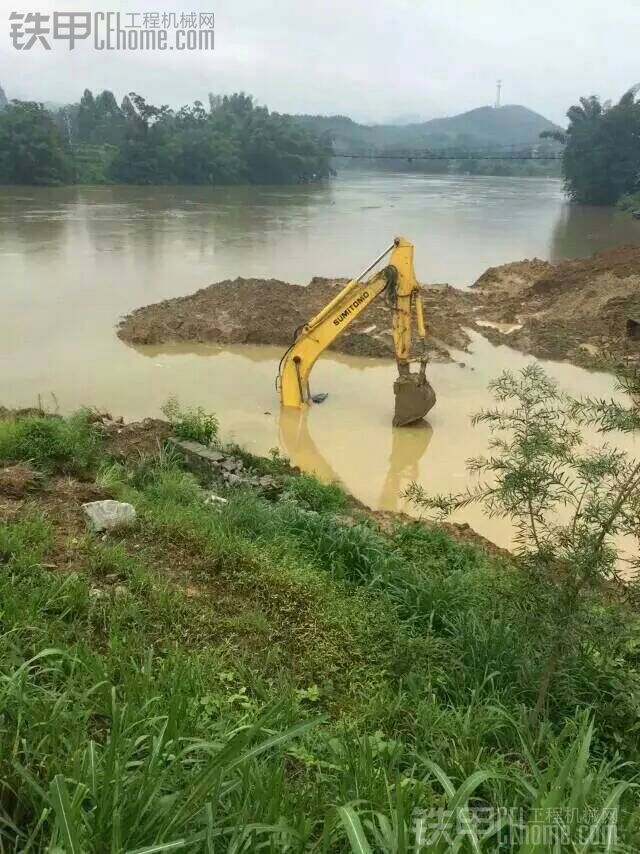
(73, 260)
(349, 437)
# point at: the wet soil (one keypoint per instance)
(268, 311)
(575, 310)
(17, 481)
(134, 440)
(579, 310)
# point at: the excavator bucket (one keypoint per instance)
(414, 398)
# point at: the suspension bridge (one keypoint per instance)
(451, 154)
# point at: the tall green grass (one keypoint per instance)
(268, 676)
(561, 806)
(69, 446)
(309, 493)
(449, 599)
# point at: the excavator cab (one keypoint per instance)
(414, 396)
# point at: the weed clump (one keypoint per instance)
(52, 444)
(311, 494)
(24, 543)
(196, 425)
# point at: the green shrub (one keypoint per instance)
(193, 424)
(630, 202)
(356, 553)
(570, 505)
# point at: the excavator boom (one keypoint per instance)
(414, 395)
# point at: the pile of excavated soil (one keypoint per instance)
(574, 310)
(268, 311)
(134, 440)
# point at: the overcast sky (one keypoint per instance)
(371, 59)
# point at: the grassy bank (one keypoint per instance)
(281, 673)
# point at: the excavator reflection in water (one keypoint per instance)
(414, 395)
(404, 462)
(408, 446)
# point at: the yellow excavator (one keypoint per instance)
(414, 396)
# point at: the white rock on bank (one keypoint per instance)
(216, 500)
(109, 515)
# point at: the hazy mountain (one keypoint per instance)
(511, 125)
(3, 99)
(402, 119)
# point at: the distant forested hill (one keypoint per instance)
(484, 127)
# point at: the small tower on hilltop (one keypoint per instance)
(498, 94)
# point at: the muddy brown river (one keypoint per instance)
(73, 260)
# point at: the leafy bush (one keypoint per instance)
(568, 503)
(629, 202)
(193, 424)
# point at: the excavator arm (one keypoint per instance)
(414, 395)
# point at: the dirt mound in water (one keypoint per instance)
(620, 263)
(575, 310)
(268, 311)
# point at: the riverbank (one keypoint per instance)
(259, 652)
(579, 311)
